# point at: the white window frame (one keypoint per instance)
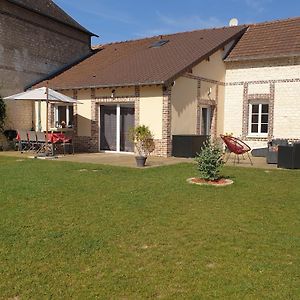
(67, 113)
(118, 125)
(208, 116)
(260, 103)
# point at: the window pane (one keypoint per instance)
(71, 110)
(265, 108)
(264, 118)
(254, 128)
(61, 114)
(264, 128)
(255, 108)
(254, 118)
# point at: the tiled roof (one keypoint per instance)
(50, 9)
(268, 40)
(137, 63)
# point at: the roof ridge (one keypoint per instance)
(273, 21)
(169, 34)
(196, 30)
(67, 18)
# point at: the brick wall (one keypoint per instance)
(275, 81)
(31, 47)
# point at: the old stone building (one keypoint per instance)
(37, 38)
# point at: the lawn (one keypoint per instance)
(80, 231)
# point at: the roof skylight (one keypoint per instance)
(158, 44)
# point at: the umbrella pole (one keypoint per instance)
(47, 118)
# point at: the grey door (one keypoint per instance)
(126, 123)
(115, 124)
(108, 127)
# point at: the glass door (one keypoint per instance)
(108, 122)
(205, 120)
(126, 123)
(115, 124)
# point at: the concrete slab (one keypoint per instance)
(113, 159)
(127, 160)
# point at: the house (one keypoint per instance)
(37, 38)
(263, 83)
(239, 79)
(165, 82)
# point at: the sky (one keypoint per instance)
(121, 20)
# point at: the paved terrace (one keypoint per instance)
(127, 160)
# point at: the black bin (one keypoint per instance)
(289, 156)
(187, 145)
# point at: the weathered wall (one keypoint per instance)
(31, 47)
(276, 81)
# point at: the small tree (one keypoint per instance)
(210, 161)
(142, 138)
(2, 114)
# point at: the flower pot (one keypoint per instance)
(140, 161)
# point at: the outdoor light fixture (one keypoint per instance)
(113, 93)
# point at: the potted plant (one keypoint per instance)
(143, 141)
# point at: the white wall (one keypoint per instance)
(151, 109)
(286, 98)
(184, 106)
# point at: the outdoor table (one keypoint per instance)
(55, 138)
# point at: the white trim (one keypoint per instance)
(116, 152)
(67, 113)
(208, 119)
(118, 127)
(99, 129)
(259, 133)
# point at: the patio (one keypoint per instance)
(127, 160)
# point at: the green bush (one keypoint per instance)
(210, 161)
(2, 114)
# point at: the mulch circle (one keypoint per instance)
(220, 182)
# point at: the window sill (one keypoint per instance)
(257, 137)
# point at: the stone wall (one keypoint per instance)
(33, 46)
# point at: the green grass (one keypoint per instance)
(79, 231)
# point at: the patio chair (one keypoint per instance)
(32, 140)
(23, 142)
(41, 142)
(236, 146)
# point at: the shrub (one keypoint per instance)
(210, 161)
(2, 114)
(142, 138)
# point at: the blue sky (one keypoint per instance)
(132, 19)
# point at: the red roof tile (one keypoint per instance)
(136, 63)
(268, 40)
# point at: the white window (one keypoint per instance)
(258, 119)
(205, 120)
(63, 116)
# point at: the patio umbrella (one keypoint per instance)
(42, 94)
